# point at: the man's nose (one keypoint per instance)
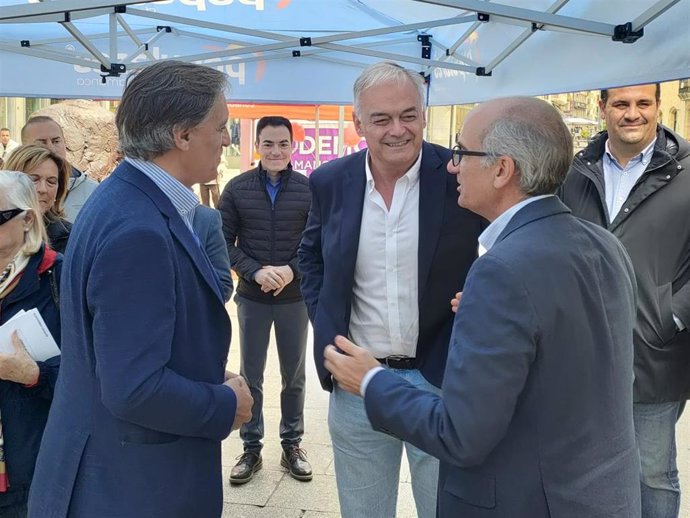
(632, 112)
(452, 169)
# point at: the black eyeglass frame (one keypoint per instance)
(7, 215)
(459, 152)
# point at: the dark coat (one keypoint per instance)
(328, 253)
(535, 418)
(58, 233)
(259, 233)
(25, 409)
(140, 408)
(654, 227)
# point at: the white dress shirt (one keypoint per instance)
(385, 307)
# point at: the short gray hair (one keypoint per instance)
(162, 98)
(387, 72)
(17, 191)
(533, 134)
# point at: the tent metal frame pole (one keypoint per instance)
(398, 57)
(653, 12)
(46, 54)
(553, 9)
(112, 35)
(143, 48)
(316, 54)
(86, 43)
(210, 25)
(133, 36)
(24, 12)
(528, 15)
(99, 36)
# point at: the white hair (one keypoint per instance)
(17, 191)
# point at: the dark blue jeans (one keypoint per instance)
(655, 433)
(290, 323)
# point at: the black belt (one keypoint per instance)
(399, 362)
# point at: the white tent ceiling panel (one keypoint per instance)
(256, 42)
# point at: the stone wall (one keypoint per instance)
(90, 135)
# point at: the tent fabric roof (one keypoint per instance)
(310, 51)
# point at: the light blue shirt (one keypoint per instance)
(488, 238)
(183, 199)
(619, 180)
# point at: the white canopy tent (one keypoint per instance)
(310, 51)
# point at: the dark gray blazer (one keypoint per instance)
(535, 420)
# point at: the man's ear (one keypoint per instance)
(358, 124)
(505, 172)
(602, 108)
(182, 138)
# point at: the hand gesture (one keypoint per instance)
(18, 366)
(455, 302)
(243, 413)
(349, 368)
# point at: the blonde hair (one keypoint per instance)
(17, 192)
(28, 157)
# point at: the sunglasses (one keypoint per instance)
(6, 215)
(459, 152)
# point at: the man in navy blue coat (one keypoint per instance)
(142, 402)
(535, 417)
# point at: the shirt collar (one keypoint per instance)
(645, 155)
(488, 238)
(412, 174)
(183, 199)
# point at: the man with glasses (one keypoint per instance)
(535, 416)
(385, 248)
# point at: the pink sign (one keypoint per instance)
(304, 153)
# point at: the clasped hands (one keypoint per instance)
(274, 278)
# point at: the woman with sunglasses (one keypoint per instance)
(50, 175)
(29, 278)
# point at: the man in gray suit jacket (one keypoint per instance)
(535, 419)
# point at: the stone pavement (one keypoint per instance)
(274, 494)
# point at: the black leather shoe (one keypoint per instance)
(249, 463)
(294, 459)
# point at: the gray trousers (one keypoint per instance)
(290, 323)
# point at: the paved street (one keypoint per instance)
(274, 494)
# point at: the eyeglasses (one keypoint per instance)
(459, 152)
(6, 215)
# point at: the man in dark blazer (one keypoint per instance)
(535, 418)
(142, 402)
(384, 250)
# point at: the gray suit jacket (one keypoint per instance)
(535, 420)
(208, 227)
